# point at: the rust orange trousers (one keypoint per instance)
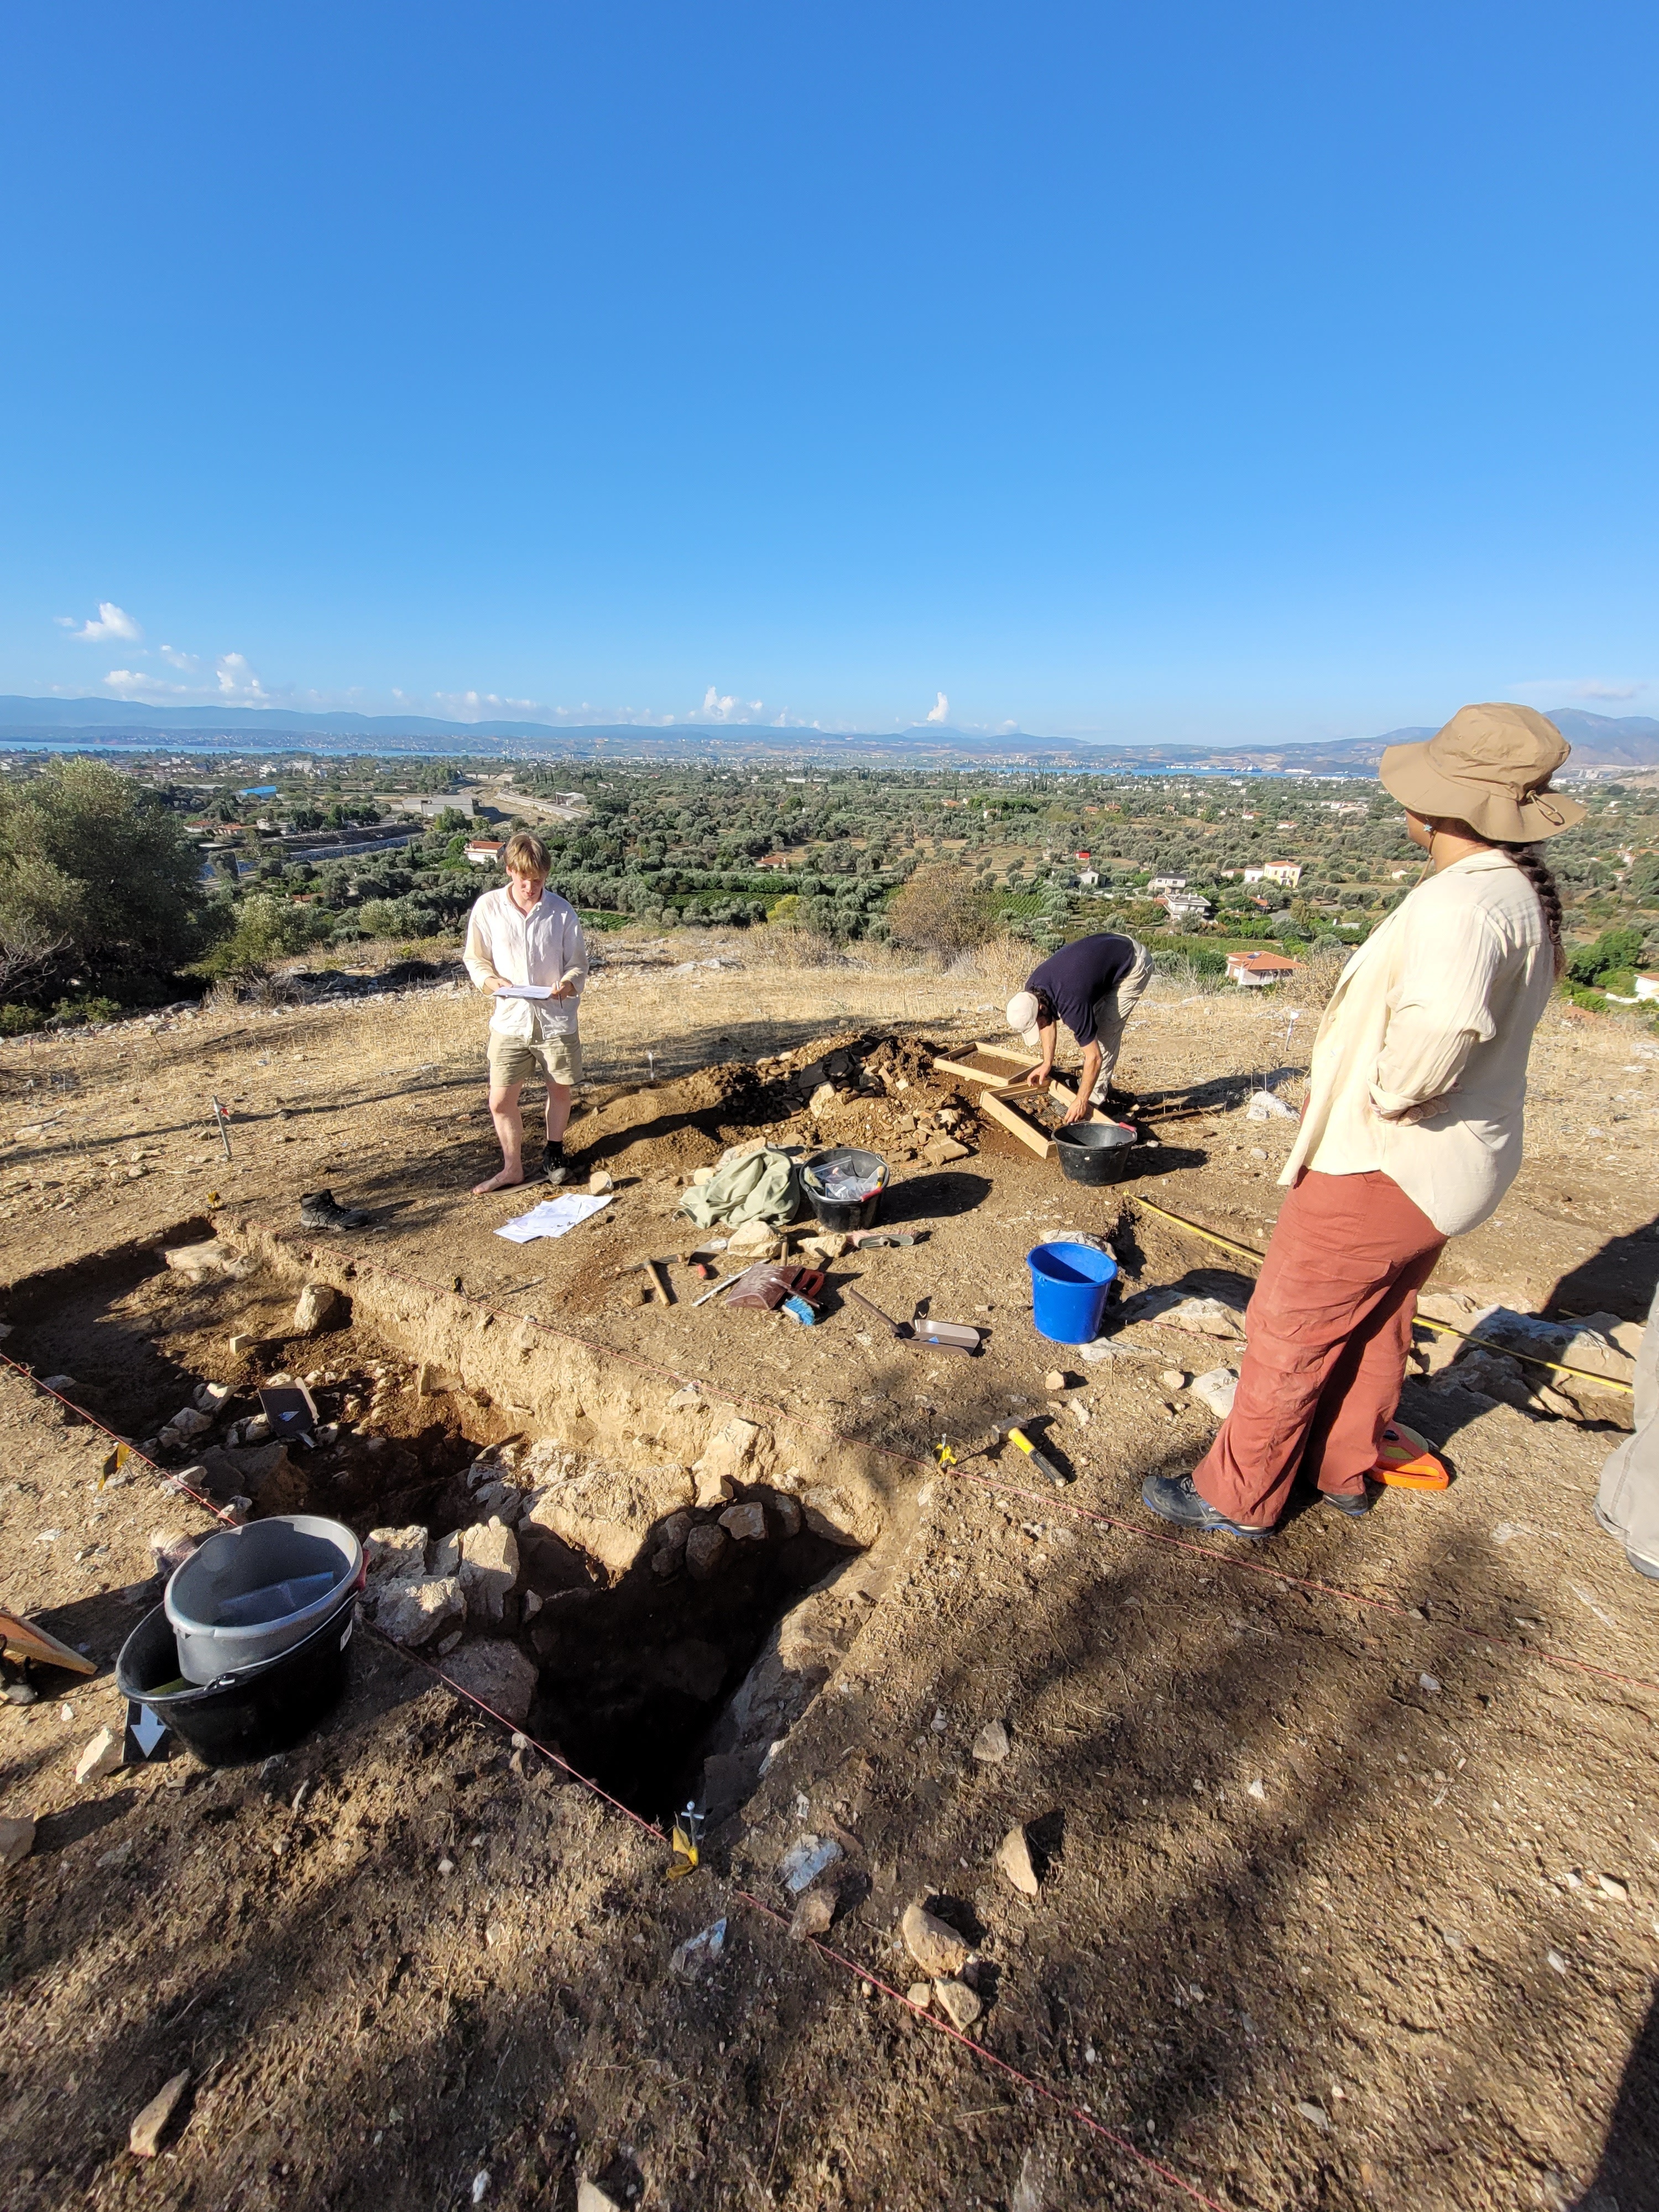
(1329, 1328)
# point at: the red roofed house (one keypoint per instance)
(485, 852)
(1256, 970)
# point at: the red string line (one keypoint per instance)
(1049, 1500)
(170, 1482)
(838, 1959)
(1079, 2112)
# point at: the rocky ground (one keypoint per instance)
(1322, 1874)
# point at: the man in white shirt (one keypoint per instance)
(528, 935)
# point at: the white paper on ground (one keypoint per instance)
(552, 1218)
(525, 991)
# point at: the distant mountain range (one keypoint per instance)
(1598, 740)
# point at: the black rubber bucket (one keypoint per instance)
(849, 1212)
(1095, 1152)
(247, 1715)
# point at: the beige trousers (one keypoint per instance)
(1111, 1013)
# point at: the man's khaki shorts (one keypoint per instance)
(521, 1059)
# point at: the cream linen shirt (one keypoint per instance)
(1442, 998)
(545, 945)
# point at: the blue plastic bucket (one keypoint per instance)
(1069, 1284)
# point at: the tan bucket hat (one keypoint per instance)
(1489, 766)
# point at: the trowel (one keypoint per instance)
(924, 1334)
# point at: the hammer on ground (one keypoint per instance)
(1039, 1460)
(654, 1272)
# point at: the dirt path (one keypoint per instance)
(1342, 1904)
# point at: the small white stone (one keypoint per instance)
(101, 1756)
(990, 1746)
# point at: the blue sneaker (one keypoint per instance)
(1173, 1497)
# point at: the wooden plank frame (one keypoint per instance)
(1056, 1084)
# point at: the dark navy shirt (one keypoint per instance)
(1074, 978)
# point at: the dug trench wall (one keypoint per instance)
(662, 1456)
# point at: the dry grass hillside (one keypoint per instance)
(1339, 1883)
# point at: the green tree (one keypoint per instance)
(98, 875)
(1614, 949)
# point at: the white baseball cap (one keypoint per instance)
(1023, 1010)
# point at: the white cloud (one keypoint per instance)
(482, 706)
(234, 682)
(109, 621)
(939, 709)
(1588, 687)
(728, 707)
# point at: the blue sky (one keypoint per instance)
(1210, 370)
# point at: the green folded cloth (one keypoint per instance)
(766, 1186)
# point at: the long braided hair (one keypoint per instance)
(1529, 858)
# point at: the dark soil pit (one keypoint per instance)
(636, 1680)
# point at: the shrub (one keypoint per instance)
(940, 909)
(265, 930)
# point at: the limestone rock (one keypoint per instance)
(144, 2136)
(728, 1451)
(608, 1514)
(416, 1613)
(939, 1150)
(822, 1099)
(188, 1422)
(396, 1553)
(447, 1554)
(812, 1915)
(752, 1240)
(712, 1490)
(101, 1756)
(498, 1674)
(16, 1842)
(434, 1381)
(705, 1548)
(747, 1523)
(920, 1995)
(1216, 1389)
(830, 1244)
(489, 1569)
(936, 1948)
(320, 1308)
(787, 1511)
(960, 2005)
(208, 1258)
(590, 2197)
(1205, 1317)
(1013, 1863)
(990, 1746)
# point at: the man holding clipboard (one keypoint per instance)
(524, 946)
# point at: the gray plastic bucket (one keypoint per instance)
(250, 1593)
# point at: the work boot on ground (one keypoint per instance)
(1173, 1499)
(317, 1210)
(555, 1167)
(1354, 1504)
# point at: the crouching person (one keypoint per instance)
(525, 934)
(1090, 988)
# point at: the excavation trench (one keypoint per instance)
(655, 1579)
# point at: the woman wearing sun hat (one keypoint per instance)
(1411, 1129)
